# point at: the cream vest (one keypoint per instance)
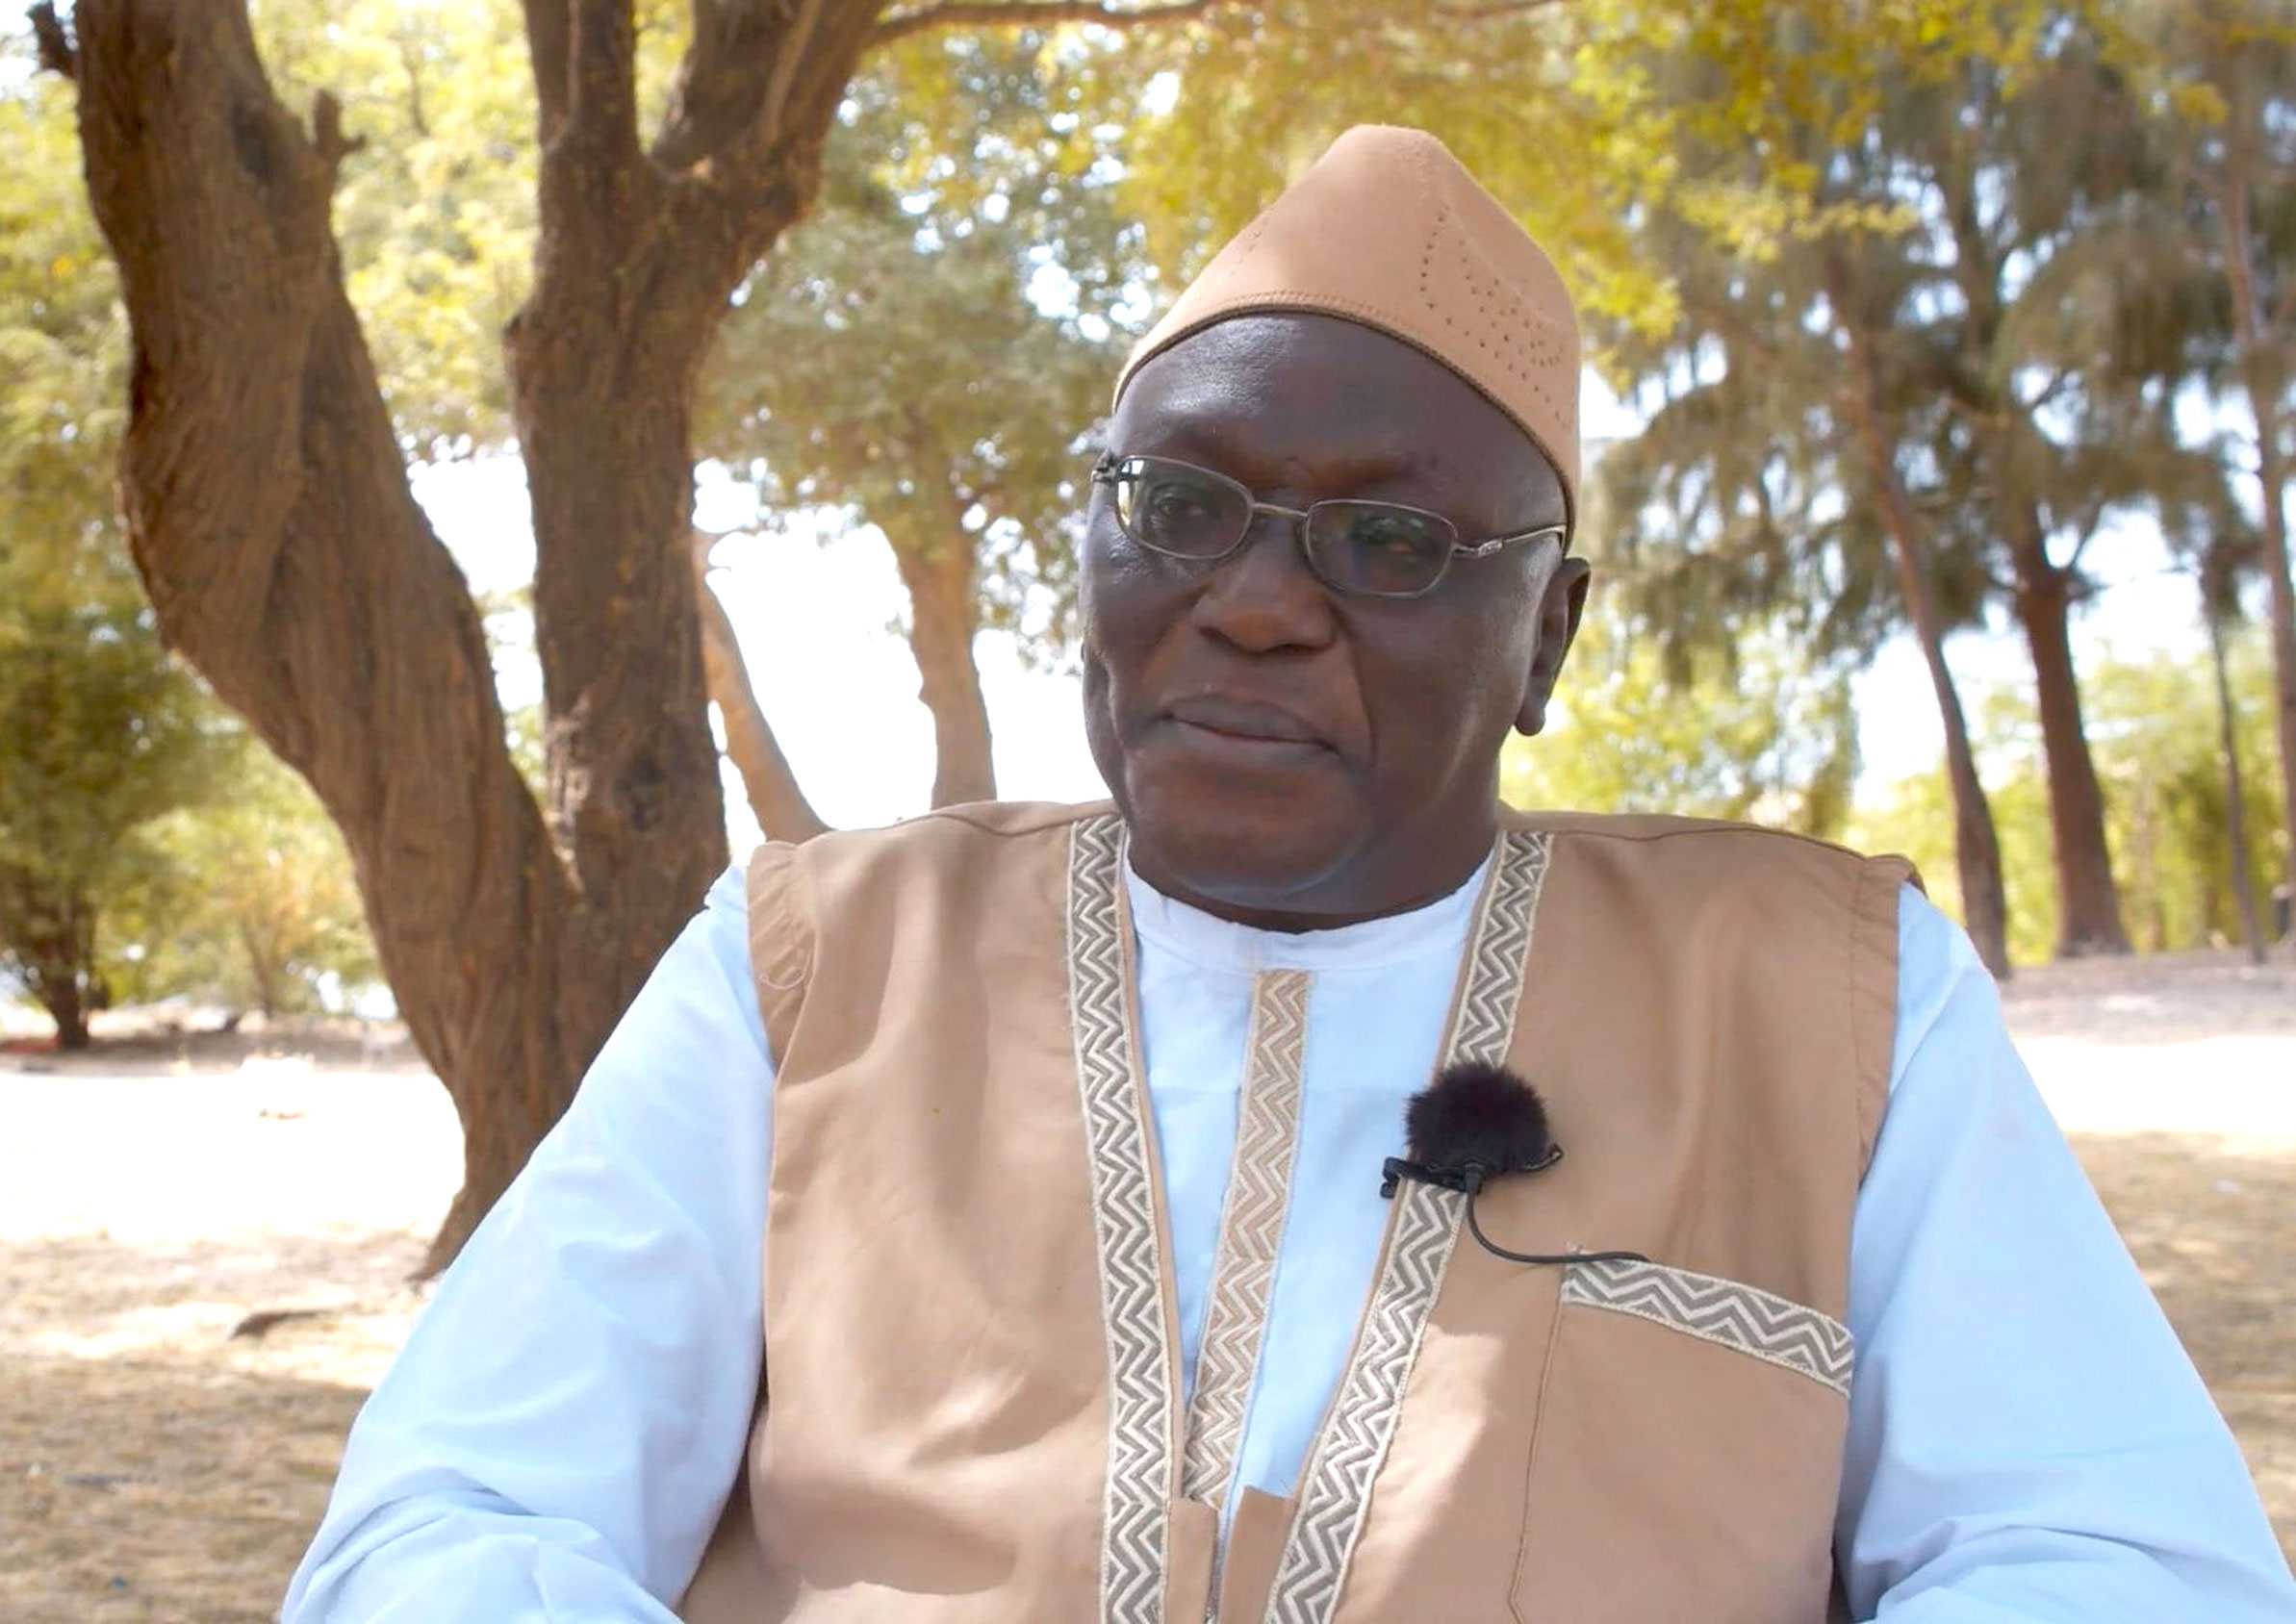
(970, 1332)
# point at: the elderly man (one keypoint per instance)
(1012, 1215)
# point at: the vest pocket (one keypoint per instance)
(1687, 1456)
(1720, 1311)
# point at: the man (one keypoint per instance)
(983, 1219)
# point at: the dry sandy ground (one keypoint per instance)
(153, 1465)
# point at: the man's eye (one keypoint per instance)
(1394, 537)
(1177, 508)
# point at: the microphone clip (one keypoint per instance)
(1467, 1177)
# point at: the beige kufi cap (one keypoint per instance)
(1389, 230)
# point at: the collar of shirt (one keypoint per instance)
(1212, 943)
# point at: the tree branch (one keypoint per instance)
(546, 34)
(1496, 9)
(786, 66)
(327, 138)
(779, 804)
(56, 53)
(602, 77)
(1035, 14)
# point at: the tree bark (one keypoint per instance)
(1976, 844)
(2088, 902)
(2235, 814)
(944, 615)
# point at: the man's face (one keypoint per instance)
(1284, 754)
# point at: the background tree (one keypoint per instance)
(99, 735)
(2155, 730)
(1912, 348)
(99, 732)
(1766, 736)
(2225, 74)
(1774, 474)
(245, 901)
(2012, 176)
(2213, 541)
(927, 355)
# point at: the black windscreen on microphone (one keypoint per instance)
(1477, 1115)
(1474, 1123)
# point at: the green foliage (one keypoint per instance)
(62, 350)
(100, 733)
(1577, 116)
(248, 901)
(435, 210)
(929, 351)
(1772, 739)
(2154, 726)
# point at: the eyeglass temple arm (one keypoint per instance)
(1484, 549)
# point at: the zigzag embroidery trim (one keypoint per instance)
(1422, 1232)
(1723, 1311)
(1135, 1522)
(1251, 1231)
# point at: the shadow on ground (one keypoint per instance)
(153, 1465)
(2213, 1231)
(160, 1489)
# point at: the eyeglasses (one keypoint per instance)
(1372, 549)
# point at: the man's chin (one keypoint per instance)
(1229, 861)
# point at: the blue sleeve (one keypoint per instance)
(557, 1437)
(2028, 1441)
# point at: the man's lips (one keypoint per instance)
(1245, 718)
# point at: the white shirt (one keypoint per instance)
(2027, 1440)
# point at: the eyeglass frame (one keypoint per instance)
(1104, 472)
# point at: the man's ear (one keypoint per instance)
(1559, 611)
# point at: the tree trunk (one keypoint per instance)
(2088, 902)
(1976, 844)
(2265, 384)
(944, 615)
(266, 970)
(2235, 814)
(61, 1000)
(2280, 608)
(270, 516)
(49, 930)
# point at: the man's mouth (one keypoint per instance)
(1245, 733)
(1244, 720)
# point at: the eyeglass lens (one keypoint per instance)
(1374, 547)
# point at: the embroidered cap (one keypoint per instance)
(1389, 230)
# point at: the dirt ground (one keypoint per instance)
(157, 1193)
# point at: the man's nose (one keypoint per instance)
(1263, 598)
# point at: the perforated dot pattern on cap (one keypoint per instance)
(1473, 304)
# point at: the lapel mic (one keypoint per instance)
(1475, 1123)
